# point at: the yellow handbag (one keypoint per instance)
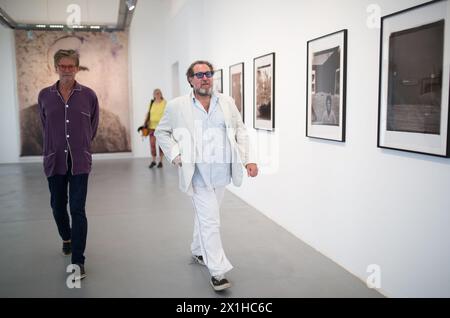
(144, 131)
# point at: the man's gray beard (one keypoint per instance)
(204, 91)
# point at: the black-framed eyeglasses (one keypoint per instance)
(200, 75)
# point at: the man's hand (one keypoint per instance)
(252, 169)
(177, 161)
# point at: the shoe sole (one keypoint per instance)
(199, 262)
(221, 287)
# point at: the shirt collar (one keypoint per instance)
(214, 99)
(54, 87)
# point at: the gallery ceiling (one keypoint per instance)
(35, 14)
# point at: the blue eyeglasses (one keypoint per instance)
(200, 75)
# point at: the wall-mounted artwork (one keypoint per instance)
(103, 67)
(237, 86)
(264, 92)
(326, 86)
(218, 81)
(413, 110)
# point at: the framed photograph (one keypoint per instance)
(413, 103)
(326, 86)
(218, 84)
(264, 92)
(237, 86)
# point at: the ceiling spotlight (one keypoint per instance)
(131, 4)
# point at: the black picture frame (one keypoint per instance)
(218, 80)
(326, 86)
(264, 92)
(237, 87)
(414, 77)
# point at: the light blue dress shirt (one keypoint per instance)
(213, 149)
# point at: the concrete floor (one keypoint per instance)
(140, 228)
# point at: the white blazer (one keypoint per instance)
(176, 136)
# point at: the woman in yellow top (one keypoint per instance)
(154, 114)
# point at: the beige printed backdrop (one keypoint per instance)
(104, 68)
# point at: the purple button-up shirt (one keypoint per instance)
(68, 128)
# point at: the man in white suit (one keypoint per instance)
(204, 135)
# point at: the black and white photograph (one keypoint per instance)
(237, 86)
(218, 84)
(326, 86)
(264, 92)
(414, 80)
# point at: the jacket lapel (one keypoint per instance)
(187, 114)
(226, 113)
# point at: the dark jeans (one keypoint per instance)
(77, 200)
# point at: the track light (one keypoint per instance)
(131, 4)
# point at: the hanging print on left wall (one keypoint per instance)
(103, 67)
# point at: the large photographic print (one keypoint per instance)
(264, 92)
(326, 86)
(237, 86)
(103, 67)
(414, 80)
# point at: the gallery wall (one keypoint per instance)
(364, 207)
(146, 44)
(162, 34)
(355, 203)
(9, 115)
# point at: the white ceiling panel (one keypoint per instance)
(103, 12)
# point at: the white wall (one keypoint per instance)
(146, 50)
(9, 115)
(353, 202)
(161, 34)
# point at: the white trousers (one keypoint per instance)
(206, 239)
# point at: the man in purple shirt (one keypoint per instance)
(69, 113)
